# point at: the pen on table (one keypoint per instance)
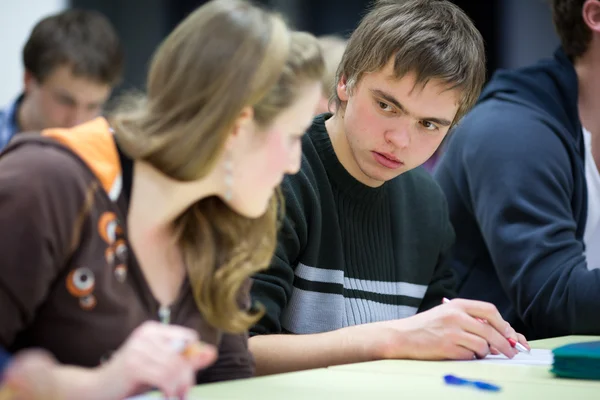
(455, 380)
(513, 342)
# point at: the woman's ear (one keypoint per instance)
(244, 121)
(242, 128)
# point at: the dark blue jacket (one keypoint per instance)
(514, 178)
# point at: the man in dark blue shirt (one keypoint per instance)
(521, 178)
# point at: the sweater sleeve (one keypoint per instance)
(520, 182)
(39, 205)
(443, 282)
(273, 287)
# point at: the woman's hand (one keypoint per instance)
(164, 357)
(30, 376)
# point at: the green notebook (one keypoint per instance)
(577, 360)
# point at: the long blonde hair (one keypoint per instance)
(224, 56)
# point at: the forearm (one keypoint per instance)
(287, 353)
(72, 383)
(35, 376)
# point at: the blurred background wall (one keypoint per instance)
(516, 32)
(17, 18)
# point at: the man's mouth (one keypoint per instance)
(387, 160)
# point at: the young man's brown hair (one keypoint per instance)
(574, 34)
(83, 39)
(443, 45)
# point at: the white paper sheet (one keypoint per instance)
(144, 397)
(157, 397)
(536, 357)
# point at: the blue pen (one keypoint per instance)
(455, 380)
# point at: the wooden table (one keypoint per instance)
(401, 379)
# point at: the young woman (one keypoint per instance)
(126, 241)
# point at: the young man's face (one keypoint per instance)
(64, 100)
(393, 126)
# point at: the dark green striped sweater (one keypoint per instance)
(350, 254)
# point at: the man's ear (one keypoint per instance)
(342, 89)
(29, 81)
(591, 15)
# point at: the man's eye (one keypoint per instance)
(66, 101)
(384, 106)
(428, 125)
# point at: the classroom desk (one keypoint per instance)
(401, 379)
(476, 370)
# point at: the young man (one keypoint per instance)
(521, 178)
(72, 61)
(365, 233)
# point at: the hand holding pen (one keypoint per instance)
(512, 341)
(165, 357)
(159, 356)
(450, 331)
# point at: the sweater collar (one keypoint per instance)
(338, 175)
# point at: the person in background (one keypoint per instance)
(359, 271)
(521, 177)
(332, 47)
(72, 60)
(127, 240)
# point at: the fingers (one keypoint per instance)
(186, 382)
(159, 343)
(460, 353)
(521, 339)
(204, 355)
(30, 375)
(155, 355)
(155, 364)
(181, 340)
(198, 355)
(176, 380)
(494, 329)
(487, 312)
(515, 337)
(491, 336)
(476, 345)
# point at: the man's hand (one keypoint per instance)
(450, 331)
